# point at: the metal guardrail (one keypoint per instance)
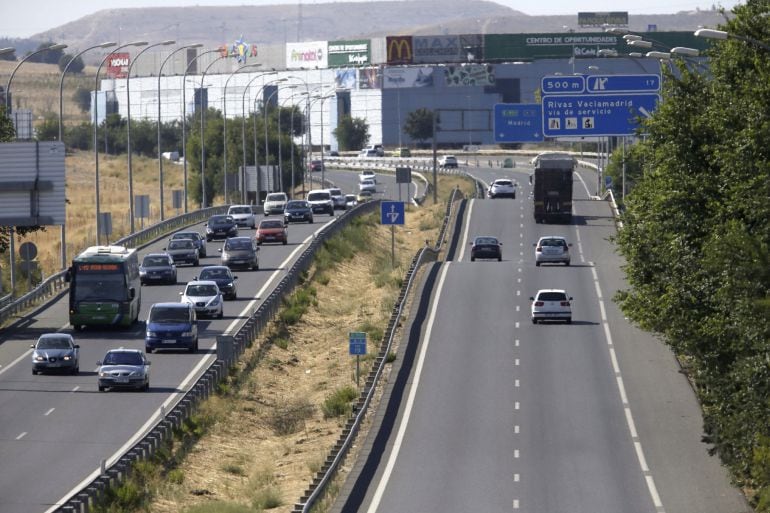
(228, 349)
(350, 431)
(55, 284)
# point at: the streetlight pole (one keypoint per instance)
(224, 122)
(184, 119)
(280, 159)
(267, 148)
(256, 160)
(203, 125)
(25, 59)
(721, 34)
(128, 129)
(61, 131)
(96, 130)
(243, 136)
(160, 151)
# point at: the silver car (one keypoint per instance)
(240, 252)
(124, 368)
(55, 352)
(552, 249)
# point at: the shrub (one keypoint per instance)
(338, 404)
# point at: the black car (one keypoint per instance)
(197, 238)
(486, 247)
(298, 211)
(183, 251)
(224, 278)
(221, 226)
(157, 268)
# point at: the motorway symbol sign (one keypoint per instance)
(357, 345)
(622, 83)
(595, 115)
(392, 212)
(518, 122)
(559, 84)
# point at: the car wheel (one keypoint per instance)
(196, 263)
(285, 242)
(146, 387)
(310, 221)
(148, 350)
(221, 314)
(101, 389)
(569, 320)
(537, 264)
(566, 263)
(76, 370)
(194, 348)
(500, 258)
(534, 321)
(34, 372)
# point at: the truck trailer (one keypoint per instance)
(553, 187)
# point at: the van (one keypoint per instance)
(171, 326)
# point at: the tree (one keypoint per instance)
(8, 56)
(47, 57)
(48, 130)
(419, 124)
(77, 65)
(351, 133)
(82, 97)
(696, 239)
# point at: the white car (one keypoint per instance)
(551, 305)
(242, 215)
(367, 185)
(552, 249)
(367, 175)
(502, 188)
(338, 198)
(320, 202)
(205, 297)
(350, 200)
(275, 203)
(447, 161)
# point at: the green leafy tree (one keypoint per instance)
(419, 124)
(48, 130)
(696, 239)
(8, 56)
(351, 133)
(82, 97)
(47, 57)
(77, 65)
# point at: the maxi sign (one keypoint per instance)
(597, 105)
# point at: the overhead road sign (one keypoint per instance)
(392, 212)
(518, 122)
(622, 83)
(595, 115)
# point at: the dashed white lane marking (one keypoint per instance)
(21, 435)
(49, 412)
(651, 488)
(516, 478)
(516, 453)
(383, 483)
(516, 504)
(76, 388)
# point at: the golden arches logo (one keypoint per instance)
(399, 49)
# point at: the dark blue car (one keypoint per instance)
(171, 326)
(223, 276)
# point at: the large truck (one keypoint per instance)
(553, 187)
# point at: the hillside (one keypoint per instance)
(276, 24)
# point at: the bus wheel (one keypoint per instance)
(78, 327)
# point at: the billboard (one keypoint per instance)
(369, 78)
(117, 64)
(308, 55)
(396, 78)
(398, 49)
(603, 19)
(345, 78)
(469, 75)
(349, 53)
(436, 49)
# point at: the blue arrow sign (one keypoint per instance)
(357, 344)
(392, 212)
(622, 83)
(595, 115)
(518, 122)
(557, 84)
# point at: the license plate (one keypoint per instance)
(121, 380)
(155, 277)
(169, 341)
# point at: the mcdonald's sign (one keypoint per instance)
(399, 49)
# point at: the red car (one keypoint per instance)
(272, 230)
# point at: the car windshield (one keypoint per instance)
(220, 220)
(232, 244)
(552, 296)
(54, 343)
(484, 241)
(123, 359)
(335, 192)
(240, 210)
(276, 197)
(202, 290)
(213, 274)
(155, 261)
(169, 314)
(296, 204)
(185, 235)
(181, 244)
(318, 196)
(271, 224)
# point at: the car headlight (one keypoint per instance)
(68, 357)
(103, 374)
(214, 301)
(38, 357)
(152, 334)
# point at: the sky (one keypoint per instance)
(24, 18)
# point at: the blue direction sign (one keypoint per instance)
(357, 342)
(518, 122)
(622, 83)
(392, 212)
(567, 84)
(595, 115)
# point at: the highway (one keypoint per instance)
(502, 415)
(55, 430)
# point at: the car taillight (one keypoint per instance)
(539, 303)
(564, 303)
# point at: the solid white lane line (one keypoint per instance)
(17, 360)
(383, 483)
(464, 238)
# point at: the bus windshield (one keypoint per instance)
(100, 287)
